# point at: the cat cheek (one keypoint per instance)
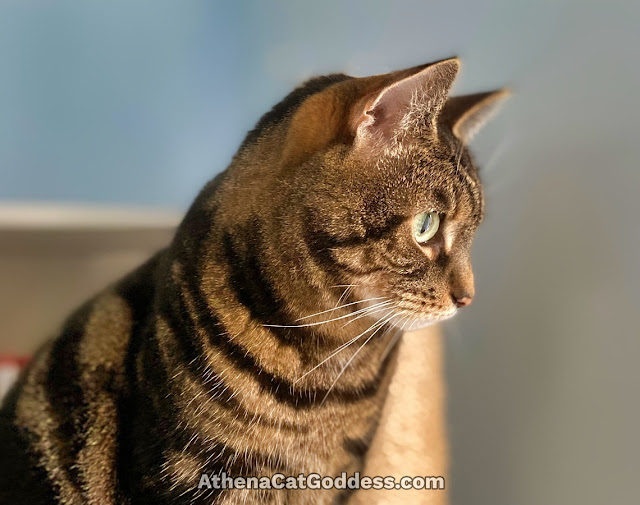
(431, 251)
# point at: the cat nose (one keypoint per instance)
(461, 300)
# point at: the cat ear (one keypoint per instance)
(465, 115)
(410, 105)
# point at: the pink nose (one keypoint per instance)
(462, 301)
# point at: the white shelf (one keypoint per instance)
(71, 216)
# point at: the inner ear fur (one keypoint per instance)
(409, 106)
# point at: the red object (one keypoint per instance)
(14, 360)
(10, 367)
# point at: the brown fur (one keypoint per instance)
(199, 361)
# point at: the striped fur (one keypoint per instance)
(198, 361)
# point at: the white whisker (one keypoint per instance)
(363, 313)
(342, 306)
(394, 339)
(459, 157)
(351, 314)
(340, 348)
(380, 324)
(344, 295)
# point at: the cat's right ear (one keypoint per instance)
(466, 114)
(407, 106)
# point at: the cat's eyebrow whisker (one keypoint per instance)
(342, 306)
(380, 324)
(498, 151)
(459, 157)
(352, 314)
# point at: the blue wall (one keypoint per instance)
(142, 102)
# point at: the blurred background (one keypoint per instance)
(114, 114)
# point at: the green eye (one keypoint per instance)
(425, 226)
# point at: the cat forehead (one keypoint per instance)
(424, 158)
(444, 177)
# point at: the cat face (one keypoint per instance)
(408, 222)
(393, 213)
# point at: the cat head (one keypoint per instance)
(377, 180)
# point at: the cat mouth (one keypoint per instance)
(403, 315)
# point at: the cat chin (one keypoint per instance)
(421, 323)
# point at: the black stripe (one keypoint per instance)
(342, 498)
(359, 447)
(320, 243)
(215, 458)
(162, 436)
(220, 456)
(280, 388)
(251, 284)
(191, 356)
(253, 289)
(67, 404)
(22, 479)
(139, 292)
(247, 277)
(138, 442)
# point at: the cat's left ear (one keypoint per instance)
(466, 114)
(409, 105)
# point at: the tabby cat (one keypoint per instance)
(261, 340)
